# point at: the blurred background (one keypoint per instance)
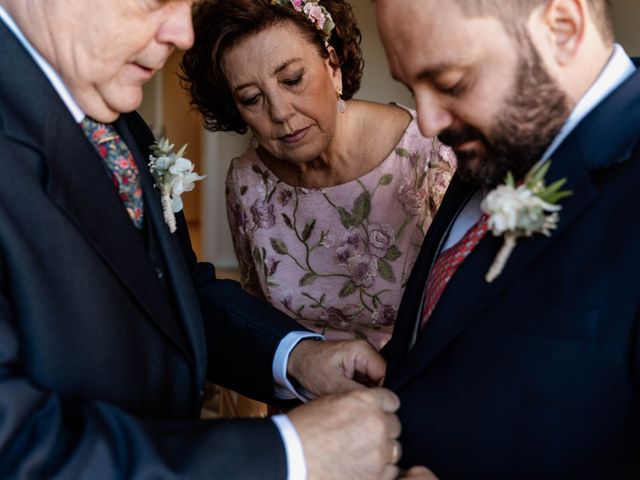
(166, 109)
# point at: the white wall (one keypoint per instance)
(219, 149)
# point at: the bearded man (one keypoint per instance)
(530, 371)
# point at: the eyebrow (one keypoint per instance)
(434, 71)
(430, 73)
(275, 72)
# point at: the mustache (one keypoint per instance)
(453, 137)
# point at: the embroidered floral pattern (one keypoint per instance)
(336, 259)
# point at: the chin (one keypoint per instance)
(121, 99)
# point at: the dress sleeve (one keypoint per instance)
(237, 216)
(442, 166)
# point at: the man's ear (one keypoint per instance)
(565, 23)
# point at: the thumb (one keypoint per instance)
(369, 365)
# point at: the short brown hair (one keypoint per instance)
(509, 10)
(221, 24)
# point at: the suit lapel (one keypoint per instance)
(454, 200)
(79, 183)
(467, 293)
(180, 279)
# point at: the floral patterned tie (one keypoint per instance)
(120, 162)
(446, 265)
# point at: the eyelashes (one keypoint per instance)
(292, 81)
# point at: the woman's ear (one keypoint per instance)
(333, 63)
(565, 23)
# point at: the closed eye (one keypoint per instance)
(248, 101)
(456, 89)
(293, 81)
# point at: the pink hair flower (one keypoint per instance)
(315, 14)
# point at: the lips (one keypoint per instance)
(465, 145)
(294, 137)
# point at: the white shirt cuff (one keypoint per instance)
(296, 465)
(284, 389)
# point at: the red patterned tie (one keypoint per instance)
(120, 162)
(446, 265)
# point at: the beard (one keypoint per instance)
(533, 115)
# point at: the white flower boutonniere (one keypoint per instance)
(521, 210)
(173, 175)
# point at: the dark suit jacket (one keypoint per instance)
(536, 375)
(104, 341)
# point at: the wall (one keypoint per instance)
(626, 17)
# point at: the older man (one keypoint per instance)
(104, 341)
(529, 369)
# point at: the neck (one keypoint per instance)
(581, 76)
(332, 165)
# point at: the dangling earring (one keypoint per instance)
(254, 143)
(342, 106)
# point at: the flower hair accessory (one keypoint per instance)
(317, 14)
(173, 175)
(520, 211)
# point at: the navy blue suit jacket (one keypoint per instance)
(536, 375)
(101, 361)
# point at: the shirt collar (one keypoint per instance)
(616, 71)
(46, 68)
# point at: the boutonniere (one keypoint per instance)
(516, 211)
(173, 175)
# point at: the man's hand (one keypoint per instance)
(351, 436)
(335, 366)
(418, 473)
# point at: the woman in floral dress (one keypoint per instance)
(329, 206)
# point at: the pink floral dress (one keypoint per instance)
(337, 259)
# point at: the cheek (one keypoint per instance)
(320, 104)
(259, 125)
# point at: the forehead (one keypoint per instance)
(429, 35)
(264, 53)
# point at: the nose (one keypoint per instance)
(280, 108)
(177, 28)
(433, 118)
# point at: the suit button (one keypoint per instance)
(159, 273)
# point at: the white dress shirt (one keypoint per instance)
(296, 466)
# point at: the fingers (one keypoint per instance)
(383, 398)
(346, 385)
(390, 472)
(396, 451)
(394, 427)
(418, 473)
